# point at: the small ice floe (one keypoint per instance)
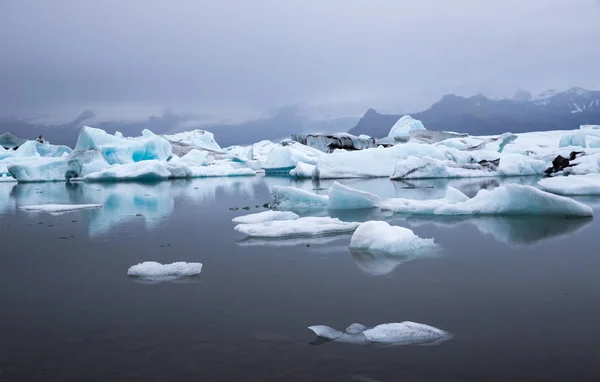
(403, 333)
(292, 198)
(572, 185)
(157, 272)
(57, 209)
(307, 226)
(265, 216)
(343, 197)
(379, 236)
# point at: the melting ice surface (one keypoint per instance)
(403, 333)
(154, 271)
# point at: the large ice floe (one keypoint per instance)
(402, 333)
(572, 185)
(58, 209)
(306, 226)
(154, 271)
(509, 199)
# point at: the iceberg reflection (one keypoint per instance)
(518, 231)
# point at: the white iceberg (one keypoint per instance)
(302, 170)
(379, 236)
(198, 138)
(57, 209)
(404, 126)
(572, 185)
(265, 216)
(513, 199)
(403, 333)
(149, 170)
(283, 158)
(307, 226)
(343, 197)
(124, 150)
(577, 139)
(157, 271)
(292, 198)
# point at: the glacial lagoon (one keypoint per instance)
(518, 294)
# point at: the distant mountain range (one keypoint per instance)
(480, 115)
(277, 124)
(477, 115)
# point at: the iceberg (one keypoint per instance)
(164, 272)
(588, 184)
(302, 170)
(58, 209)
(283, 158)
(265, 216)
(404, 126)
(118, 150)
(342, 197)
(307, 226)
(199, 138)
(379, 236)
(403, 333)
(328, 143)
(513, 199)
(292, 198)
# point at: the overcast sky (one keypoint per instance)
(195, 56)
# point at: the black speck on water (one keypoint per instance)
(520, 295)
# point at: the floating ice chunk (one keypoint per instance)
(292, 198)
(307, 226)
(355, 328)
(345, 198)
(57, 209)
(404, 125)
(284, 158)
(379, 236)
(265, 216)
(39, 170)
(513, 199)
(572, 185)
(422, 207)
(302, 170)
(158, 271)
(124, 150)
(199, 138)
(404, 333)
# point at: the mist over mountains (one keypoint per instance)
(478, 114)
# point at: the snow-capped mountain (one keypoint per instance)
(479, 114)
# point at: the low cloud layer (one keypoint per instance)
(240, 55)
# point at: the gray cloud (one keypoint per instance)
(265, 53)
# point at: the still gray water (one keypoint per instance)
(519, 295)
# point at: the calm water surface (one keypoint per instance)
(520, 295)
